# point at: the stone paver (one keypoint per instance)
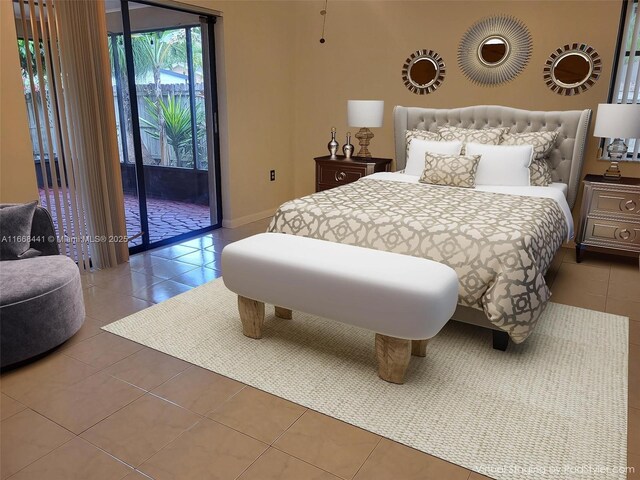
(167, 218)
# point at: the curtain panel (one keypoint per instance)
(74, 80)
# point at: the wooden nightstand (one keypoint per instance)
(333, 173)
(610, 215)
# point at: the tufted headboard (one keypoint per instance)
(565, 159)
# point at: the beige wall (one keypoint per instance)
(282, 90)
(255, 79)
(368, 42)
(17, 173)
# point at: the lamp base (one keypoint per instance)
(617, 150)
(364, 136)
(612, 174)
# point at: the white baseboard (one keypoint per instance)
(254, 217)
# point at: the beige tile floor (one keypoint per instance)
(102, 407)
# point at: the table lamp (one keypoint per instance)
(365, 114)
(617, 121)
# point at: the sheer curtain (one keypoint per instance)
(71, 74)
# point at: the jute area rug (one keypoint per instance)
(553, 407)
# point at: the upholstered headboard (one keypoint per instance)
(565, 159)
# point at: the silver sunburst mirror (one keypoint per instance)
(423, 72)
(572, 69)
(494, 50)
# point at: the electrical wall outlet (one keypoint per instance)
(272, 175)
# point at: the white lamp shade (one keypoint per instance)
(365, 113)
(617, 121)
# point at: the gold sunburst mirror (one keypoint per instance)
(572, 69)
(494, 50)
(423, 72)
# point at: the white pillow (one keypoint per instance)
(501, 164)
(418, 148)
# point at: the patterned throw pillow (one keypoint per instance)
(420, 134)
(543, 143)
(540, 173)
(450, 170)
(489, 136)
(15, 223)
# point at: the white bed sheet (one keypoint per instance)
(561, 186)
(555, 191)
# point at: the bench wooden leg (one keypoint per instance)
(393, 355)
(252, 316)
(284, 313)
(419, 348)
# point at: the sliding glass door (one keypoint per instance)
(165, 97)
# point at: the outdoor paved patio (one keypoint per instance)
(167, 218)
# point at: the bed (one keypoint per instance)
(499, 240)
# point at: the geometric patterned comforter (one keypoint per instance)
(500, 245)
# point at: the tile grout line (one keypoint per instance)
(368, 456)
(111, 414)
(155, 284)
(306, 409)
(46, 454)
(17, 401)
(92, 375)
(273, 445)
(99, 370)
(130, 294)
(104, 451)
(154, 453)
(251, 464)
(16, 413)
(313, 465)
(202, 419)
(184, 432)
(140, 472)
(50, 419)
(244, 386)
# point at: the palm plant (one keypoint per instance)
(140, 72)
(154, 51)
(177, 123)
(23, 47)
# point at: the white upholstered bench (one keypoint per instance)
(405, 300)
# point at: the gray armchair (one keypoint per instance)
(41, 301)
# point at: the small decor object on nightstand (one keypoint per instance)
(617, 122)
(347, 148)
(365, 114)
(333, 144)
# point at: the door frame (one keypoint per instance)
(215, 183)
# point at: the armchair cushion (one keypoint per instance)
(15, 231)
(43, 232)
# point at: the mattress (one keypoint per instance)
(499, 240)
(552, 191)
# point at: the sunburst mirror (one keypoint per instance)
(572, 69)
(494, 50)
(423, 72)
